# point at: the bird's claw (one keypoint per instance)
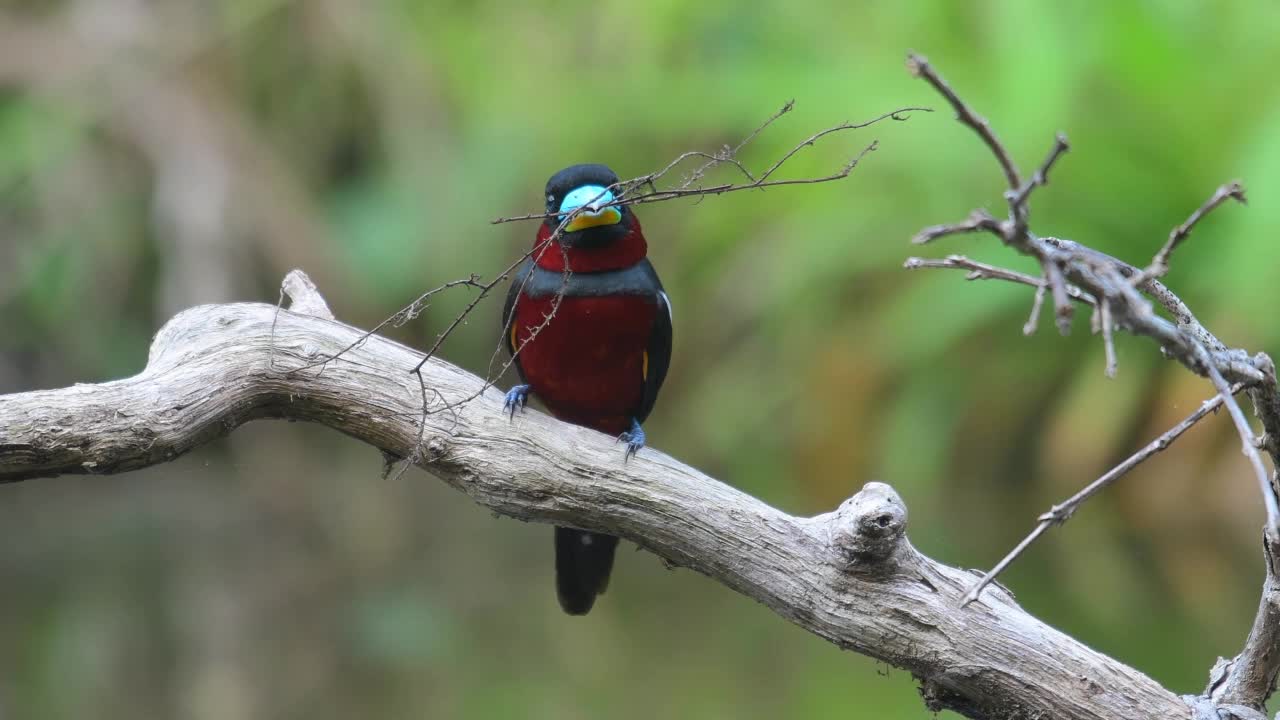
(517, 399)
(634, 438)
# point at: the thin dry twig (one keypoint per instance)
(1041, 176)
(491, 377)
(540, 249)
(1248, 442)
(1060, 513)
(983, 271)
(918, 66)
(978, 221)
(1160, 263)
(1018, 198)
(405, 314)
(688, 189)
(724, 156)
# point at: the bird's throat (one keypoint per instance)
(622, 253)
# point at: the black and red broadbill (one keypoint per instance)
(601, 358)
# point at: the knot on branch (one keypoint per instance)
(868, 527)
(433, 450)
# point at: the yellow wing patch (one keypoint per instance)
(644, 367)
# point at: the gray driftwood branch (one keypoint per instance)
(850, 576)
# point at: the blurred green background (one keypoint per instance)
(160, 154)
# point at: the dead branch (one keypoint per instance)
(690, 186)
(983, 271)
(849, 576)
(1119, 291)
(1060, 513)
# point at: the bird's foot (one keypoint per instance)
(634, 438)
(517, 398)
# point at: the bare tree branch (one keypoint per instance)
(983, 271)
(1118, 287)
(978, 221)
(849, 576)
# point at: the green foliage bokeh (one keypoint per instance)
(159, 155)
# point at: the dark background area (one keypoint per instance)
(158, 155)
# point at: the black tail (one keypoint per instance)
(583, 562)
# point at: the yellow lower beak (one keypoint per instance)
(582, 221)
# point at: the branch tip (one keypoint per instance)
(1160, 263)
(918, 66)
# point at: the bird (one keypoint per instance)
(599, 356)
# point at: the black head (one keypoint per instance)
(592, 185)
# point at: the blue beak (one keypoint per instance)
(593, 197)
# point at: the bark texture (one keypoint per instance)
(849, 576)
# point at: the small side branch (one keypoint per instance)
(1041, 177)
(983, 271)
(978, 221)
(1062, 512)
(917, 65)
(1018, 198)
(1160, 263)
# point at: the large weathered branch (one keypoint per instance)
(849, 576)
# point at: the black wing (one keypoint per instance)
(509, 316)
(657, 357)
